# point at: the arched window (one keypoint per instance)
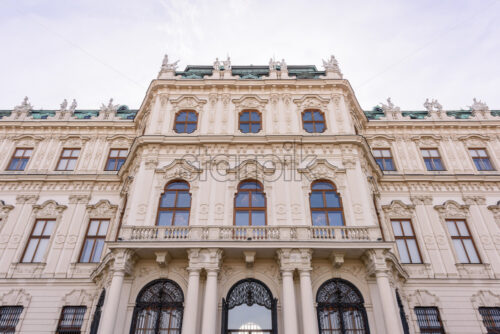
(250, 121)
(341, 308)
(313, 120)
(158, 309)
(326, 204)
(186, 121)
(249, 308)
(250, 204)
(175, 204)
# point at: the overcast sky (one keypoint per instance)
(92, 50)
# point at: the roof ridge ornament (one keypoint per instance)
(167, 70)
(435, 110)
(277, 69)
(332, 68)
(391, 111)
(222, 69)
(21, 111)
(479, 109)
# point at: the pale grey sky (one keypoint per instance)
(92, 50)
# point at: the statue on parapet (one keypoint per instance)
(227, 64)
(217, 64)
(332, 68)
(64, 105)
(166, 66)
(478, 105)
(432, 106)
(72, 107)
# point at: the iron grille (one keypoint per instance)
(9, 317)
(429, 320)
(491, 319)
(71, 320)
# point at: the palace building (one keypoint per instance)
(250, 200)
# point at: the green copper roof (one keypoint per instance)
(252, 71)
(123, 112)
(377, 112)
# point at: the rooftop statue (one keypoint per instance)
(64, 105)
(72, 107)
(217, 64)
(478, 105)
(432, 106)
(332, 68)
(165, 65)
(283, 65)
(272, 64)
(24, 106)
(392, 112)
(227, 63)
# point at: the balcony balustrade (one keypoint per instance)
(250, 233)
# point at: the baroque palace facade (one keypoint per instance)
(249, 200)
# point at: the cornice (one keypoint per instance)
(59, 177)
(440, 178)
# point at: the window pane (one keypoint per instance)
(98, 250)
(335, 218)
(181, 218)
(178, 185)
(425, 153)
(471, 251)
(316, 200)
(403, 252)
(123, 153)
(322, 186)
(386, 153)
(75, 153)
(66, 153)
(318, 218)
(179, 128)
(110, 165)
(452, 228)
(434, 153)
(412, 246)
(245, 116)
(104, 228)
(120, 164)
(307, 116)
(250, 185)
(407, 227)
(462, 228)
(255, 116)
(482, 153)
(242, 218)
(242, 200)
(318, 116)
(438, 165)
(49, 227)
(181, 117)
(380, 163)
(332, 200)
(396, 226)
(183, 200)
(113, 153)
(258, 200)
(62, 164)
(428, 164)
(245, 127)
(28, 255)
(377, 153)
(320, 127)
(39, 225)
(309, 127)
(165, 218)
(94, 224)
(258, 218)
(255, 128)
(190, 128)
(40, 252)
(87, 248)
(191, 117)
(168, 200)
(389, 164)
(71, 164)
(459, 248)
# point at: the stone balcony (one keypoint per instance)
(202, 234)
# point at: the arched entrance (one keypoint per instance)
(341, 308)
(158, 309)
(249, 309)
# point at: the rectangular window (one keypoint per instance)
(20, 159)
(432, 159)
(68, 159)
(462, 241)
(94, 241)
(491, 318)
(38, 241)
(9, 317)
(383, 157)
(116, 159)
(71, 320)
(481, 159)
(428, 320)
(406, 241)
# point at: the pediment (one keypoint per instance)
(188, 102)
(26, 140)
(311, 101)
(422, 298)
(451, 209)
(427, 140)
(321, 169)
(251, 169)
(398, 209)
(102, 209)
(474, 140)
(250, 102)
(74, 140)
(179, 168)
(49, 209)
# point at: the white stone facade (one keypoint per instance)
(291, 256)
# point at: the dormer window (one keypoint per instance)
(250, 121)
(313, 121)
(186, 121)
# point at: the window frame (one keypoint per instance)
(95, 238)
(13, 312)
(250, 209)
(325, 208)
(404, 237)
(487, 157)
(250, 122)
(384, 158)
(115, 159)
(313, 121)
(462, 238)
(74, 329)
(68, 158)
(440, 330)
(186, 122)
(39, 237)
(174, 209)
(14, 157)
(431, 158)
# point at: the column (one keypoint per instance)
(121, 266)
(391, 314)
(113, 299)
(190, 319)
(210, 303)
(288, 305)
(310, 321)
